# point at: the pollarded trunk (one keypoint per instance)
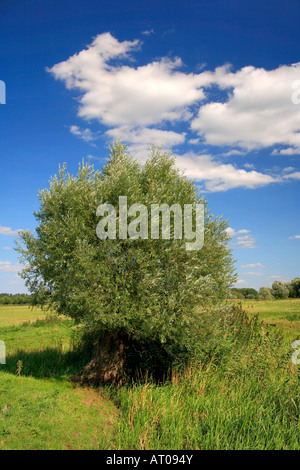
(107, 364)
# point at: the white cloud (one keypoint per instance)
(220, 176)
(148, 32)
(241, 238)
(133, 102)
(240, 282)
(248, 241)
(194, 141)
(251, 273)
(286, 151)
(96, 158)
(258, 112)
(295, 175)
(121, 95)
(8, 267)
(85, 134)
(288, 169)
(8, 231)
(232, 232)
(141, 139)
(295, 237)
(253, 265)
(6, 248)
(233, 152)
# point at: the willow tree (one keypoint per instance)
(126, 291)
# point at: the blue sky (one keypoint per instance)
(218, 82)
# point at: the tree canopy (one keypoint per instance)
(280, 290)
(147, 289)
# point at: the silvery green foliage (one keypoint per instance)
(280, 290)
(151, 289)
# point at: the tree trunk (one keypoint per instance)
(107, 364)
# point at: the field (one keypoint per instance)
(16, 314)
(285, 314)
(247, 401)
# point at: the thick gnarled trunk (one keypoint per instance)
(107, 364)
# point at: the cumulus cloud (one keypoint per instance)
(295, 175)
(8, 231)
(233, 152)
(241, 238)
(240, 282)
(252, 273)
(119, 94)
(232, 232)
(194, 141)
(220, 176)
(136, 103)
(85, 134)
(253, 265)
(258, 112)
(8, 267)
(288, 169)
(148, 32)
(286, 151)
(141, 139)
(248, 241)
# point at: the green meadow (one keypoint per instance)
(282, 314)
(246, 395)
(11, 315)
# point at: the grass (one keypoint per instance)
(39, 408)
(16, 314)
(248, 399)
(48, 414)
(247, 396)
(209, 409)
(285, 314)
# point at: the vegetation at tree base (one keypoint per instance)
(245, 395)
(150, 296)
(280, 290)
(245, 398)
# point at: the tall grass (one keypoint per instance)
(246, 397)
(206, 408)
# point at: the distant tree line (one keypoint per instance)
(15, 299)
(279, 290)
